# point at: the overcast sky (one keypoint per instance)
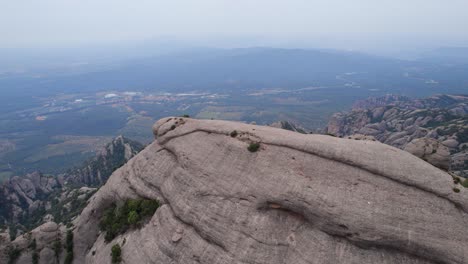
(340, 23)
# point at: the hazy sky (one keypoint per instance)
(342, 23)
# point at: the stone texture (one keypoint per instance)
(430, 150)
(298, 199)
(22, 195)
(399, 121)
(45, 235)
(95, 171)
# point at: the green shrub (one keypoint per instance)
(465, 183)
(69, 247)
(57, 246)
(132, 213)
(133, 218)
(35, 257)
(35, 254)
(186, 116)
(69, 258)
(253, 147)
(33, 244)
(12, 232)
(13, 254)
(456, 190)
(234, 134)
(148, 207)
(69, 241)
(116, 253)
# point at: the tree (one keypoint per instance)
(133, 217)
(116, 253)
(35, 257)
(57, 245)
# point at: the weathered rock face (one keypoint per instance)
(430, 150)
(96, 171)
(289, 126)
(399, 121)
(298, 199)
(24, 201)
(22, 195)
(45, 236)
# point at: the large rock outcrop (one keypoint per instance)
(26, 200)
(45, 237)
(96, 171)
(401, 122)
(298, 199)
(20, 196)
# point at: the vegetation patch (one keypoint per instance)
(63, 213)
(465, 183)
(35, 254)
(132, 214)
(253, 147)
(69, 247)
(35, 257)
(57, 246)
(13, 254)
(456, 190)
(233, 134)
(116, 254)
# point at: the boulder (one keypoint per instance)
(430, 150)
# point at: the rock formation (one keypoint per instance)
(289, 126)
(24, 201)
(297, 199)
(46, 239)
(21, 195)
(440, 120)
(95, 171)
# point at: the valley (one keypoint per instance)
(51, 121)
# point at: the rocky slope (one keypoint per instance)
(435, 129)
(20, 195)
(96, 171)
(296, 199)
(48, 240)
(25, 201)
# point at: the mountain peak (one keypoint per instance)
(232, 192)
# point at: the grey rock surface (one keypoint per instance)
(299, 199)
(430, 150)
(399, 121)
(95, 171)
(45, 235)
(22, 195)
